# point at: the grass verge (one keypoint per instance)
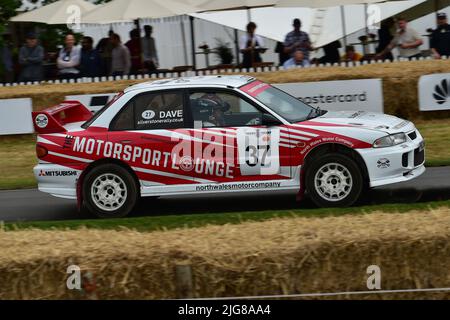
(17, 154)
(156, 223)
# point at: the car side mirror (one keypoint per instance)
(269, 120)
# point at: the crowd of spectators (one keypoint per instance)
(138, 55)
(109, 58)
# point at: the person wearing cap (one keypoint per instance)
(406, 39)
(297, 40)
(31, 56)
(440, 38)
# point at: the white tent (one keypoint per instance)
(59, 12)
(128, 10)
(332, 28)
(322, 3)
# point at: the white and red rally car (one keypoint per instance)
(217, 134)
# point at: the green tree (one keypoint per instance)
(7, 10)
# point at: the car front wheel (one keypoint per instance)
(110, 191)
(334, 180)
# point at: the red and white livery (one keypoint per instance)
(217, 134)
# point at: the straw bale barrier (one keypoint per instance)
(400, 83)
(280, 256)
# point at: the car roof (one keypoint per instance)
(234, 81)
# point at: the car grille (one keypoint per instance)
(419, 157)
(413, 135)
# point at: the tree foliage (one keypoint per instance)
(7, 10)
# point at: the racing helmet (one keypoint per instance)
(212, 102)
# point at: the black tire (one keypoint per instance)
(347, 195)
(126, 194)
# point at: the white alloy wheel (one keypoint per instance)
(333, 182)
(109, 192)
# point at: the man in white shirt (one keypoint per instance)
(407, 40)
(69, 59)
(251, 46)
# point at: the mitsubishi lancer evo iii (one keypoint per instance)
(216, 134)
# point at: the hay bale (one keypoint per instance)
(280, 256)
(400, 81)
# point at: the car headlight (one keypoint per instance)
(390, 140)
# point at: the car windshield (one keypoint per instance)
(99, 113)
(283, 104)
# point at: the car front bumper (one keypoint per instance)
(395, 164)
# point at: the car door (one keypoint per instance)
(150, 127)
(236, 146)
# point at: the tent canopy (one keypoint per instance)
(332, 28)
(128, 10)
(59, 12)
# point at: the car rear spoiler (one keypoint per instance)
(53, 120)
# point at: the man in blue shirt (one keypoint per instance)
(90, 65)
(31, 56)
(297, 40)
(297, 61)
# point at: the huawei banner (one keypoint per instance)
(360, 95)
(434, 92)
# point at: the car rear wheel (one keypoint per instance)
(334, 180)
(110, 191)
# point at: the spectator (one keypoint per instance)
(406, 39)
(297, 40)
(121, 59)
(68, 60)
(7, 65)
(149, 52)
(90, 65)
(440, 38)
(134, 46)
(385, 37)
(31, 56)
(282, 56)
(297, 61)
(104, 49)
(331, 53)
(351, 55)
(251, 46)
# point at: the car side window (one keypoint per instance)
(125, 119)
(222, 109)
(161, 110)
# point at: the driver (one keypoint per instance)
(214, 107)
(217, 108)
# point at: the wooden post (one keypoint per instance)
(183, 278)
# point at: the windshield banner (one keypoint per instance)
(255, 88)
